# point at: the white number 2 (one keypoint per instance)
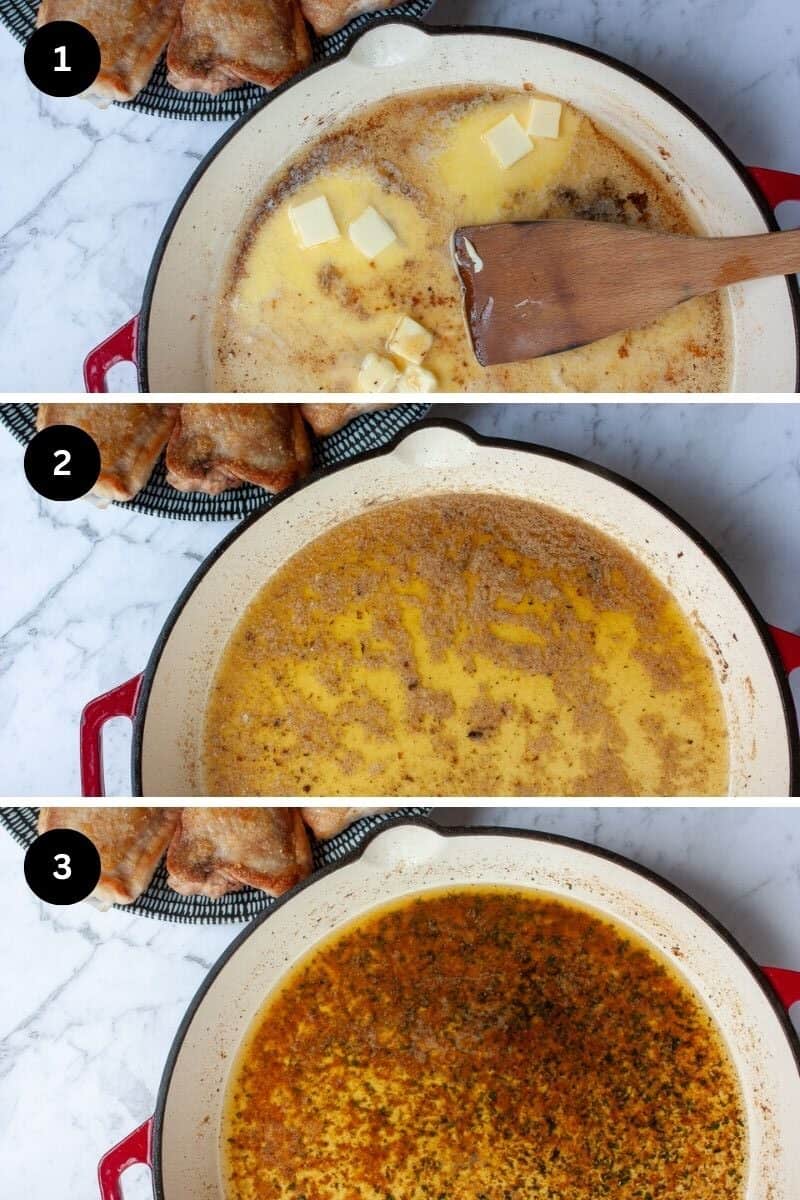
(65, 457)
(61, 54)
(64, 868)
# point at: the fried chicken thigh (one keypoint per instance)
(220, 44)
(131, 35)
(130, 842)
(328, 418)
(329, 15)
(221, 850)
(325, 823)
(130, 438)
(218, 446)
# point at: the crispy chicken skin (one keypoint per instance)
(329, 15)
(218, 446)
(130, 438)
(131, 35)
(130, 842)
(220, 44)
(325, 823)
(221, 850)
(325, 419)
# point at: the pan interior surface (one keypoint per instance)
(188, 274)
(434, 461)
(409, 860)
(425, 1049)
(300, 318)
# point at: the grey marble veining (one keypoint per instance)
(85, 193)
(91, 1001)
(86, 591)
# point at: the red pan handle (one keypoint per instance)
(777, 186)
(137, 1147)
(786, 984)
(120, 347)
(119, 702)
(788, 647)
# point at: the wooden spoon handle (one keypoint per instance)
(722, 261)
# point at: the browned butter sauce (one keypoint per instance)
(484, 1044)
(469, 645)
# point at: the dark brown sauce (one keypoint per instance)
(484, 1044)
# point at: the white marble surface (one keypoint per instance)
(85, 592)
(90, 1001)
(86, 193)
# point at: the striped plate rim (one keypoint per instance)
(160, 99)
(369, 431)
(162, 903)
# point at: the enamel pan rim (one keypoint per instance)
(449, 31)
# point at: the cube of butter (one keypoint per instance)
(313, 222)
(508, 141)
(377, 374)
(370, 234)
(410, 340)
(417, 379)
(545, 119)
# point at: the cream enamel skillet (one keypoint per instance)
(173, 339)
(182, 1143)
(167, 704)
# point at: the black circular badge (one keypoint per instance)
(62, 58)
(62, 866)
(62, 462)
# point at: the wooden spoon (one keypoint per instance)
(538, 287)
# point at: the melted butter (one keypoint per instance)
(464, 646)
(478, 187)
(328, 289)
(302, 320)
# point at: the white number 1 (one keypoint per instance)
(61, 55)
(64, 868)
(64, 456)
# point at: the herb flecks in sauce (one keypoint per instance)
(484, 1045)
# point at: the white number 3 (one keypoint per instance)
(64, 869)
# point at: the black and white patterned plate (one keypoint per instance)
(161, 902)
(159, 499)
(162, 100)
